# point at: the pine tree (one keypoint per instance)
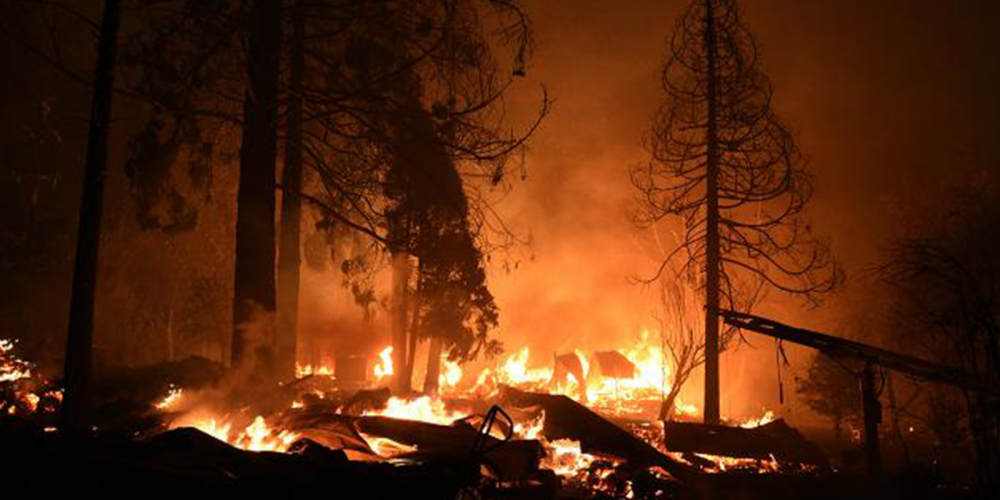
(723, 162)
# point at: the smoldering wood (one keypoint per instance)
(514, 459)
(567, 419)
(775, 440)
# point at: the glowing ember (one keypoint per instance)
(766, 418)
(307, 370)
(564, 457)
(24, 391)
(531, 429)
(12, 369)
(170, 399)
(723, 464)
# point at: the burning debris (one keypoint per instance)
(23, 391)
(547, 440)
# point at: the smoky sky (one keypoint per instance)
(893, 103)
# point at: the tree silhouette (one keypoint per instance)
(722, 161)
(75, 413)
(254, 289)
(831, 388)
(944, 305)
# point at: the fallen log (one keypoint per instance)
(436, 443)
(567, 419)
(775, 439)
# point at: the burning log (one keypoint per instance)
(774, 440)
(514, 459)
(567, 419)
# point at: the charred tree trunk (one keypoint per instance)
(712, 255)
(433, 366)
(75, 413)
(291, 206)
(400, 347)
(254, 290)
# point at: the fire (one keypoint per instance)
(722, 464)
(764, 419)
(25, 391)
(564, 457)
(383, 368)
(257, 436)
(451, 374)
(170, 399)
(12, 369)
(423, 409)
(307, 370)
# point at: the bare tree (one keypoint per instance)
(681, 336)
(944, 286)
(723, 162)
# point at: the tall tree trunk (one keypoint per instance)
(433, 366)
(712, 256)
(291, 206)
(254, 291)
(400, 288)
(75, 413)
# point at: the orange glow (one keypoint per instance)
(383, 367)
(171, 399)
(423, 409)
(307, 370)
(257, 436)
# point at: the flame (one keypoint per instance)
(307, 370)
(764, 419)
(722, 464)
(12, 369)
(531, 429)
(25, 391)
(257, 436)
(383, 368)
(423, 409)
(450, 376)
(515, 370)
(564, 457)
(170, 399)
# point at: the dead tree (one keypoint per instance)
(75, 413)
(681, 337)
(727, 166)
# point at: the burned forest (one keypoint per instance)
(500, 249)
